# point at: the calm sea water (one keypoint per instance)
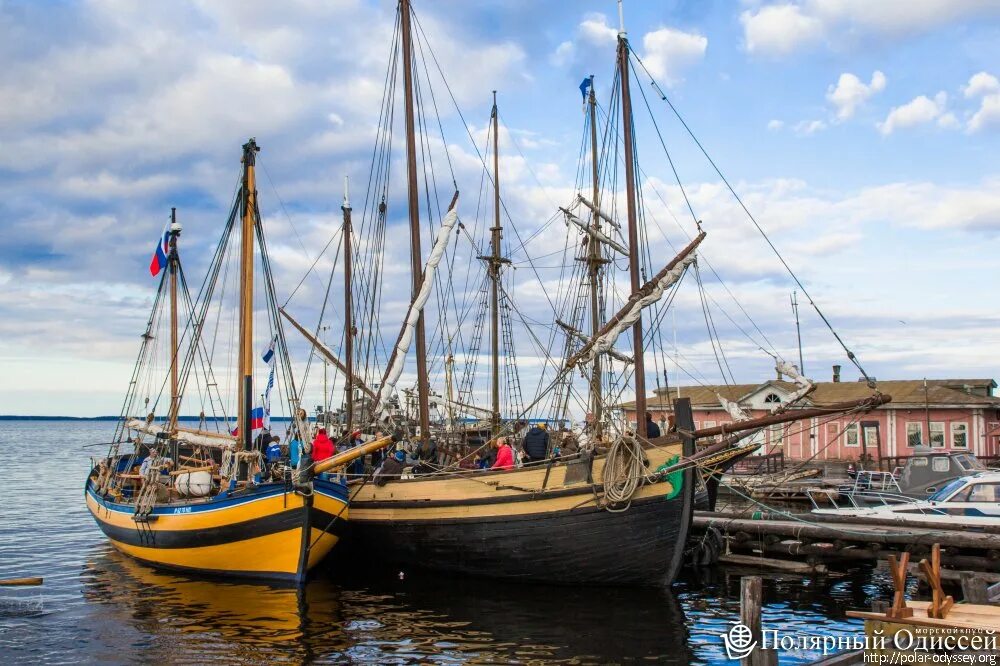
(99, 606)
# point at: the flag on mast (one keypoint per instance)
(159, 260)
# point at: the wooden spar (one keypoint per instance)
(596, 257)
(342, 459)
(325, 352)
(633, 233)
(618, 356)
(794, 415)
(584, 200)
(17, 582)
(495, 275)
(173, 259)
(416, 269)
(348, 313)
(640, 293)
(249, 203)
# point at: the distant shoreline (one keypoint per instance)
(14, 417)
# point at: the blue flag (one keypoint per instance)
(584, 86)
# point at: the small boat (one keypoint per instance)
(195, 499)
(923, 475)
(968, 501)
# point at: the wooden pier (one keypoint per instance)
(817, 540)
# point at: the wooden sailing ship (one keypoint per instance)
(206, 501)
(615, 512)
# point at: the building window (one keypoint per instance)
(777, 434)
(959, 435)
(772, 398)
(914, 434)
(709, 424)
(851, 435)
(832, 432)
(937, 434)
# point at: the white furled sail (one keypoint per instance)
(597, 211)
(594, 233)
(733, 409)
(648, 294)
(804, 383)
(195, 437)
(416, 307)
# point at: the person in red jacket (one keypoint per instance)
(322, 447)
(505, 455)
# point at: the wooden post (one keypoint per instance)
(898, 568)
(751, 598)
(940, 602)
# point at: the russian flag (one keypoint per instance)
(159, 261)
(257, 418)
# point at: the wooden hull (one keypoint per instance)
(542, 523)
(266, 532)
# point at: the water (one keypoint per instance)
(99, 606)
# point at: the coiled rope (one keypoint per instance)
(624, 468)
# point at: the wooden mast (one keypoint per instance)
(494, 263)
(173, 259)
(633, 229)
(348, 312)
(595, 259)
(416, 268)
(249, 204)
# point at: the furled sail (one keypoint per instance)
(594, 233)
(416, 307)
(648, 294)
(597, 211)
(186, 435)
(579, 335)
(805, 385)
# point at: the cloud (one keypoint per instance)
(988, 114)
(919, 111)
(809, 127)
(850, 92)
(666, 52)
(981, 84)
(775, 125)
(781, 28)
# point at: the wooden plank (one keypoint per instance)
(16, 582)
(768, 563)
(751, 600)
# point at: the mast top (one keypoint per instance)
(347, 194)
(250, 150)
(175, 226)
(621, 21)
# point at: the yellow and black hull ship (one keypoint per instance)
(545, 522)
(267, 531)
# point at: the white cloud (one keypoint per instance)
(775, 125)
(784, 27)
(918, 111)
(988, 114)
(981, 84)
(850, 92)
(809, 127)
(668, 51)
(779, 29)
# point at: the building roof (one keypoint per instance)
(939, 392)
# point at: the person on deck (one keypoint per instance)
(357, 467)
(505, 455)
(392, 468)
(652, 430)
(536, 443)
(273, 451)
(322, 446)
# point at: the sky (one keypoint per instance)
(863, 137)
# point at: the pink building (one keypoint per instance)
(950, 414)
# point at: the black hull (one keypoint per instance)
(640, 546)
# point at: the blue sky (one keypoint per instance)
(863, 136)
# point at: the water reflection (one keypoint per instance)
(424, 618)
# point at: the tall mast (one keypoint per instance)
(495, 271)
(173, 259)
(595, 259)
(416, 269)
(249, 203)
(633, 229)
(348, 312)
